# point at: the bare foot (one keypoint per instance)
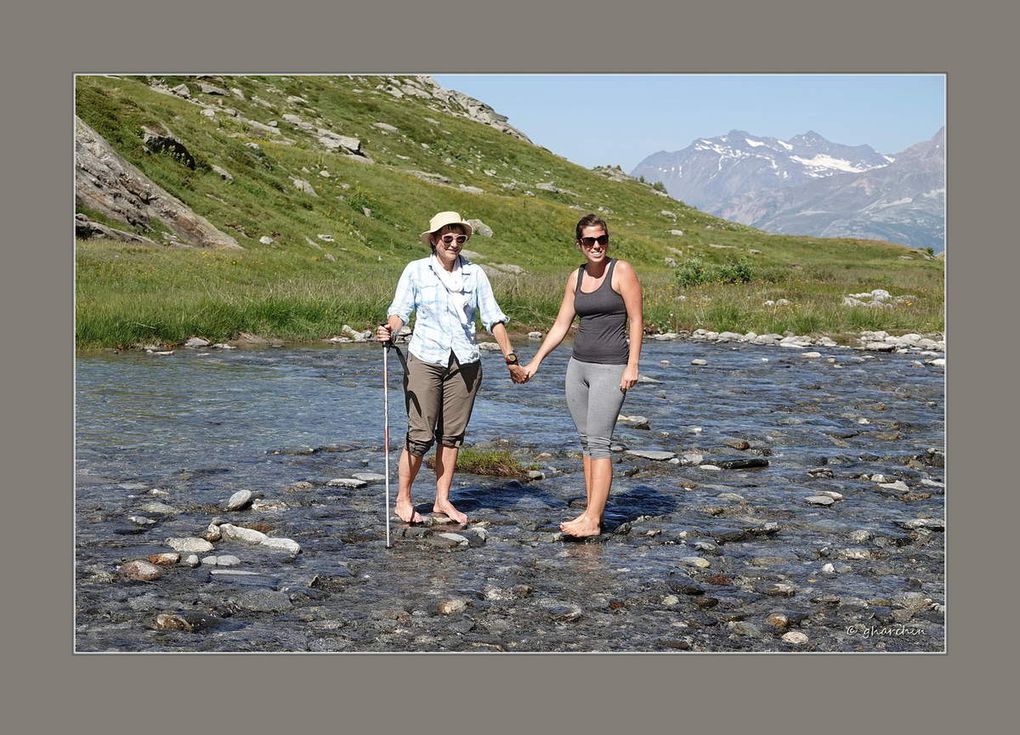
(580, 527)
(446, 507)
(405, 511)
(572, 521)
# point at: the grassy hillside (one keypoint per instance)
(303, 287)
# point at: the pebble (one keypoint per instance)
(159, 508)
(933, 523)
(166, 559)
(781, 589)
(350, 482)
(831, 494)
(855, 554)
(287, 545)
(730, 497)
(899, 485)
(741, 627)
(141, 520)
(141, 571)
(451, 606)
(685, 586)
(224, 560)
(737, 443)
(699, 361)
(860, 536)
(190, 560)
(694, 561)
(240, 533)
(369, 476)
(819, 500)
(565, 612)
(190, 544)
(212, 533)
(742, 463)
(795, 637)
(777, 621)
(811, 354)
(653, 454)
(670, 601)
(828, 569)
(239, 500)
(188, 621)
(691, 458)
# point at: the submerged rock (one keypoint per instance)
(141, 571)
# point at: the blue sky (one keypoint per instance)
(595, 119)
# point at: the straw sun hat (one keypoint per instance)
(440, 221)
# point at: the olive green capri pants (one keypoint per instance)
(439, 401)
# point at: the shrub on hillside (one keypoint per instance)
(695, 271)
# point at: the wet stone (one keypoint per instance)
(190, 545)
(447, 540)
(239, 500)
(141, 571)
(368, 477)
(653, 454)
(694, 561)
(159, 509)
(563, 612)
(452, 606)
(684, 586)
(263, 601)
(740, 463)
(166, 559)
(348, 482)
(189, 622)
(743, 628)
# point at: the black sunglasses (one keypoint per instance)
(461, 239)
(590, 241)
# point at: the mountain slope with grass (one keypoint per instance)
(325, 182)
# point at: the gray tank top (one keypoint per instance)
(602, 336)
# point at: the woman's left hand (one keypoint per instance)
(629, 379)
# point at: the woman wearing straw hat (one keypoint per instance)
(444, 368)
(606, 294)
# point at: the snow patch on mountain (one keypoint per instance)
(822, 162)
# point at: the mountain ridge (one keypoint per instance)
(809, 185)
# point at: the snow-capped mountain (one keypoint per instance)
(712, 169)
(811, 186)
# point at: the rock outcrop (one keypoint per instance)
(105, 182)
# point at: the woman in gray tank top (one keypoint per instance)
(606, 294)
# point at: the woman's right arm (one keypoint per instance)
(559, 329)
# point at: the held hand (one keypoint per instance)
(529, 370)
(517, 374)
(383, 333)
(629, 379)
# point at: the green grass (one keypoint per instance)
(303, 288)
(491, 462)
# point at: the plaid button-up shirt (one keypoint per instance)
(437, 328)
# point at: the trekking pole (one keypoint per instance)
(386, 432)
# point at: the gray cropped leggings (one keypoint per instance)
(594, 399)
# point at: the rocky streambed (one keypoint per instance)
(767, 498)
